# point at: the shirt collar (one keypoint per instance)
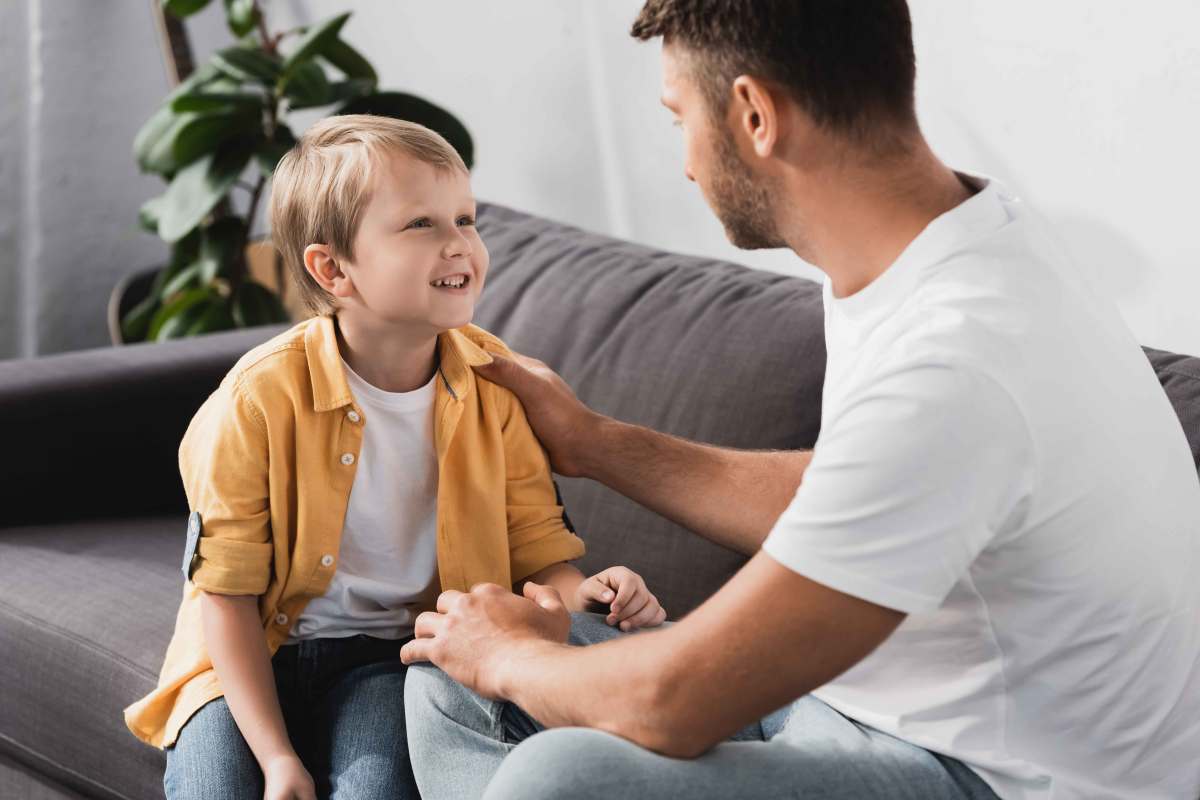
(457, 352)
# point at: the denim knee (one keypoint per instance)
(557, 763)
(211, 759)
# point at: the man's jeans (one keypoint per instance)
(342, 701)
(466, 747)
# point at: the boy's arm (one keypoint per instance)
(239, 654)
(562, 576)
(538, 536)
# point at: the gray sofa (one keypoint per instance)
(93, 519)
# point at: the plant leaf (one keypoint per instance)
(349, 61)
(255, 304)
(220, 247)
(242, 16)
(307, 87)
(168, 322)
(184, 279)
(198, 187)
(268, 152)
(414, 109)
(215, 316)
(162, 119)
(149, 214)
(247, 64)
(314, 41)
(184, 8)
(343, 91)
(218, 102)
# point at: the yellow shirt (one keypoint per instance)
(268, 462)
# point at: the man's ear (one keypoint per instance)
(325, 270)
(755, 114)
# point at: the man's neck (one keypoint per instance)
(862, 219)
(389, 358)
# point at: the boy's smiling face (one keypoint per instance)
(418, 260)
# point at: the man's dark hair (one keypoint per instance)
(848, 63)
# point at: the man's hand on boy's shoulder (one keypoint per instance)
(623, 593)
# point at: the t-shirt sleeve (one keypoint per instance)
(908, 483)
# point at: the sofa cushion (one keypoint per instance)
(85, 614)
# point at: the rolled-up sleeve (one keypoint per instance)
(537, 529)
(224, 465)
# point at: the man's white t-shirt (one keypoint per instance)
(387, 559)
(998, 460)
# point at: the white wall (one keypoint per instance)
(1090, 109)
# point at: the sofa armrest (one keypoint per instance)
(95, 433)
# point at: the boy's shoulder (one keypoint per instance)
(277, 362)
(489, 342)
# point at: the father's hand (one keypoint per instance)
(559, 420)
(473, 635)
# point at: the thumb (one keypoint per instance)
(594, 588)
(545, 596)
(501, 370)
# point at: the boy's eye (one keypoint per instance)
(423, 222)
(468, 221)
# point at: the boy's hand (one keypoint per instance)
(630, 604)
(287, 779)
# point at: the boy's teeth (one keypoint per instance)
(452, 282)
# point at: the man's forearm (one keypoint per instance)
(732, 497)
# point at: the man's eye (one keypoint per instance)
(677, 123)
(467, 221)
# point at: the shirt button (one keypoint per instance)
(281, 619)
(353, 416)
(347, 458)
(326, 561)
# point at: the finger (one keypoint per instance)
(643, 618)
(635, 606)
(507, 372)
(628, 587)
(545, 596)
(596, 590)
(446, 598)
(428, 624)
(659, 618)
(416, 650)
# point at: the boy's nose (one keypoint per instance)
(458, 246)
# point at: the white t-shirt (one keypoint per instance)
(387, 559)
(998, 460)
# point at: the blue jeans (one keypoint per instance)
(342, 701)
(466, 747)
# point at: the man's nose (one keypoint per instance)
(687, 170)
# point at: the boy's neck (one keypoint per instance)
(394, 360)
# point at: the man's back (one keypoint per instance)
(1039, 521)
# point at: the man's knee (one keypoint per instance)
(573, 763)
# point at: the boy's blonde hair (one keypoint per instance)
(322, 185)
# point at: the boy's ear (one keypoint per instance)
(325, 270)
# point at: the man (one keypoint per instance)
(981, 582)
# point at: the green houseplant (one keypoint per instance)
(222, 130)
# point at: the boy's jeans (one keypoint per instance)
(466, 747)
(342, 701)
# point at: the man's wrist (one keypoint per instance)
(594, 446)
(518, 665)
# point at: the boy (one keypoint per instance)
(342, 475)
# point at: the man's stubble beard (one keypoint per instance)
(741, 202)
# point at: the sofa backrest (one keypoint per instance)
(703, 349)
